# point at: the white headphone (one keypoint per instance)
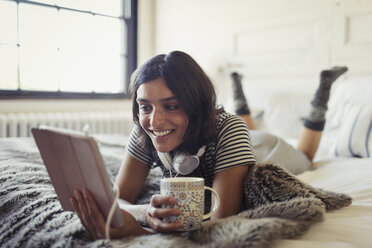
(182, 163)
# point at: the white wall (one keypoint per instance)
(279, 45)
(146, 30)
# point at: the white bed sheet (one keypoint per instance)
(350, 226)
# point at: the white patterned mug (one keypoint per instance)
(189, 192)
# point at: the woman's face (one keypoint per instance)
(161, 115)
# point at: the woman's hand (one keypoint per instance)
(155, 213)
(93, 220)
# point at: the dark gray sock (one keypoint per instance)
(319, 104)
(240, 102)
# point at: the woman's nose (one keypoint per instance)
(157, 118)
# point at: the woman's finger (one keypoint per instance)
(163, 212)
(158, 200)
(94, 214)
(83, 208)
(77, 210)
(160, 226)
(77, 203)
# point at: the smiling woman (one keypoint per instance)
(67, 47)
(175, 113)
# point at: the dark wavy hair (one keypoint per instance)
(192, 88)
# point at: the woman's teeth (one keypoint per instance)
(162, 133)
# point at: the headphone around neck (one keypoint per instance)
(182, 163)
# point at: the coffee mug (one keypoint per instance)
(189, 192)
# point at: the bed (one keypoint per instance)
(343, 161)
(31, 216)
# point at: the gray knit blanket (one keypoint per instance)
(277, 205)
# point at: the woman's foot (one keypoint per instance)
(327, 77)
(319, 105)
(240, 102)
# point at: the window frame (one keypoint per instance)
(131, 22)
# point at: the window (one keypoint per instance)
(67, 48)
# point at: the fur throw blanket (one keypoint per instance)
(277, 205)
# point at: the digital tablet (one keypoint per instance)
(73, 161)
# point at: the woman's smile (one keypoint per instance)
(161, 133)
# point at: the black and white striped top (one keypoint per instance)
(232, 147)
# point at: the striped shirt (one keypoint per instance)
(232, 147)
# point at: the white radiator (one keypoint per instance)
(108, 122)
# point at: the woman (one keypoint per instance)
(174, 109)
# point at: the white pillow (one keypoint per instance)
(348, 122)
(354, 138)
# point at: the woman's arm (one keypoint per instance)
(92, 219)
(229, 186)
(131, 177)
(130, 180)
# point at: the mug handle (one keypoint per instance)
(216, 204)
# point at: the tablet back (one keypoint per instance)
(74, 162)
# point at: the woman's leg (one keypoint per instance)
(314, 124)
(240, 102)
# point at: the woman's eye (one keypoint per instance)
(144, 108)
(172, 107)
